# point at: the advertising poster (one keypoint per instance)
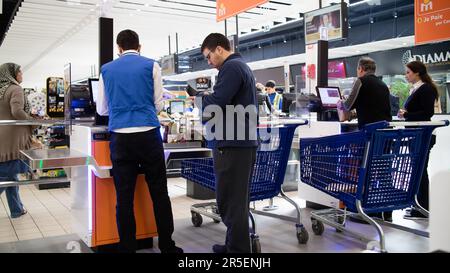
(432, 21)
(55, 97)
(202, 84)
(311, 68)
(325, 24)
(66, 103)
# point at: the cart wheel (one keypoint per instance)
(197, 219)
(256, 245)
(302, 235)
(340, 220)
(317, 227)
(215, 210)
(374, 246)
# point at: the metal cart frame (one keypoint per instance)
(373, 170)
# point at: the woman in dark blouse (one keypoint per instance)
(420, 107)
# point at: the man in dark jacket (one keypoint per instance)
(233, 140)
(369, 95)
(370, 98)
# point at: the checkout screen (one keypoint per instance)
(94, 90)
(329, 96)
(177, 107)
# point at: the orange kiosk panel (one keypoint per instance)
(104, 227)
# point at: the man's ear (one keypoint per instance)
(120, 49)
(139, 48)
(219, 50)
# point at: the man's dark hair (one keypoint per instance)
(367, 64)
(270, 84)
(214, 40)
(128, 39)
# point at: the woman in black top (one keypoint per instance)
(420, 107)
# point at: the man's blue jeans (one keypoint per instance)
(8, 171)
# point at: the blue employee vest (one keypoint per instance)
(129, 91)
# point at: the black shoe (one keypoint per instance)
(219, 249)
(357, 219)
(414, 215)
(174, 249)
(21, 214)
(387, 216)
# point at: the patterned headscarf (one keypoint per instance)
(8, 73)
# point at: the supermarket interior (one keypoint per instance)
(339, 139)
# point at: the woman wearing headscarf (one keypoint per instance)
(13, 106)
(420, 106)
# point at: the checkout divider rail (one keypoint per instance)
(48, 159)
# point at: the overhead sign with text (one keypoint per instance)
(432, 21)
(230, 8)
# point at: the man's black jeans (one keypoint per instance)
(131, 154)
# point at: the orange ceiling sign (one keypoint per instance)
(228, 8)
(432, 21)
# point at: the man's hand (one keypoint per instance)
(340, 105)
(401, 113)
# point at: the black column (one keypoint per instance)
(106, 53)
(106, 40)
(322, 63)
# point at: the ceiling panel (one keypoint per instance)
(46, 34)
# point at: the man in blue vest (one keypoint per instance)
(275, 99)
(130, 92)
(234, 155)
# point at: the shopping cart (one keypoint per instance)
(373, 170)
(267, 178)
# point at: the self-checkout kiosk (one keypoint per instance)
(94, 196)
(93, 191)
(329, 97)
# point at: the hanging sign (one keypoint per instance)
(432, 21)
(229, 8)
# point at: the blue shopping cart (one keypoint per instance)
(373, 170)
(267, 178)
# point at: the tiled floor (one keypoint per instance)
(49, 216)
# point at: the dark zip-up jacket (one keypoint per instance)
(235, 86)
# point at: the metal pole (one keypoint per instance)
(237, 26)
(226, 29)
(236, 42)
(170, 49)
(320, 4)
(176, 42)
